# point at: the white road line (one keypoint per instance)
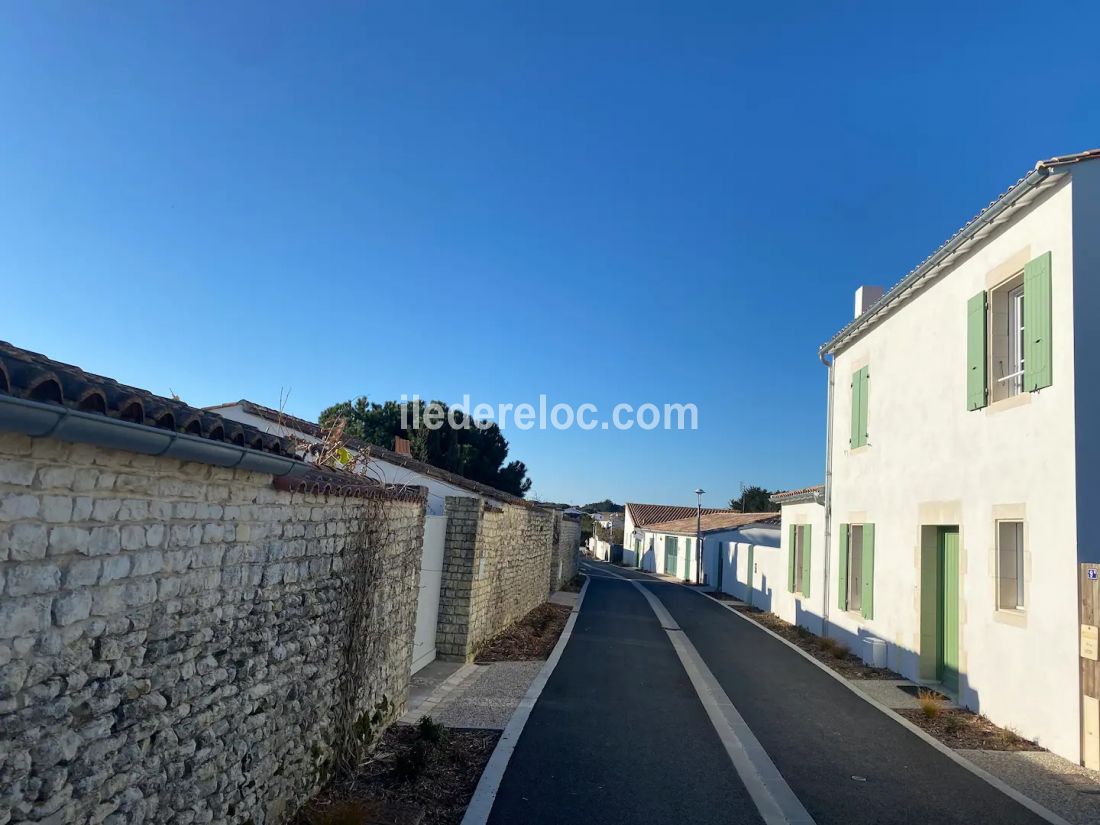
(1002, 786)
(481, 805)
(770, 792)
(961, 761)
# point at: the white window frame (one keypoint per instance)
(1019, 603)
(1015, 377)
(1005, 318)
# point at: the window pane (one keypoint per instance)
(799, 535)
(1010, 563)
(855, 569)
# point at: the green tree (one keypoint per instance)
(754, 499)
(605, 506)
(477, 453)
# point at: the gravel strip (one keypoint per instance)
(1071, 791)
(488, 699)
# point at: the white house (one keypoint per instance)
(636, 516)
(799, 598)
(962, 445)
(671, 546)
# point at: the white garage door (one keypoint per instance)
(427, 602)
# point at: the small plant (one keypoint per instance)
(841, 650)
(827, 644)
(802, 632)
(931, 704)
(953, 724)
(429, 730)
(1009, 738)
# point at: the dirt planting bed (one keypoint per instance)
(418, 775)
(532, 637)
(574, 584)
(827, 651)
(964, 730)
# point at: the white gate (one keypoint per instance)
(427, 601)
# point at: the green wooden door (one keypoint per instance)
(671, 554)
(748, 578)
(948, 666)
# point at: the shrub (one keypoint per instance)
(931, 704)
(429, 730)
(954, 724)
(837, 650)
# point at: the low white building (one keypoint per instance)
(961, 443)
(800, 564)
(636, 516)
(673, 546)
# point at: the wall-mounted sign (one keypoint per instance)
(1090, 642)
(1092, 573)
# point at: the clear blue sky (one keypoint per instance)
(600, 201)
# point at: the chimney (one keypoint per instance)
(866, 297)
(401, 446)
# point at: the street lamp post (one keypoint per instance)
(699, 535)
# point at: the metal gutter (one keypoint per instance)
(40, 420)
(828, 494)
(969, 233)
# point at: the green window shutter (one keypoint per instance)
(790, 559)
(842, 572)
(806, 561)
(976, 338)
(860, 390)
(857, 427)
(864, 394)
(1037, 324)
(868, 595)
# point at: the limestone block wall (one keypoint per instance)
(566, 551)
(496, 568)
(175, 638)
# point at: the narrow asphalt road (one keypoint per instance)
(619, 734)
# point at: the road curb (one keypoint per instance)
(481, 803)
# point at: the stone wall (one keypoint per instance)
(174, 637)
(496, 568)
(564, 562)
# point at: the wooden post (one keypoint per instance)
(1089, 589)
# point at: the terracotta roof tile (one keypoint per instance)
(32, 376)
(713, 522)
(646, 514)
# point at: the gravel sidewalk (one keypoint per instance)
(489, 697)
